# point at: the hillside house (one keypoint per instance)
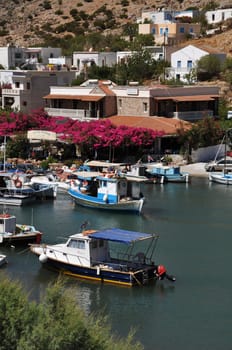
(100, 99)
(218, 15)
(84, 59)
(92, 100)
(184, 61)
(27, 88)
(13, 56)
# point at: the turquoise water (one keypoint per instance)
(194, 225)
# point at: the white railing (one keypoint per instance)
(80, 114)
(11, 91)
(192, 115)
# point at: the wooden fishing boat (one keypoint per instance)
(108, 191)
(11, 232)
(98, 255)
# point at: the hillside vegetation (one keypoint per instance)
(35, 22)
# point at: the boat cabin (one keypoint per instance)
(7, 223)
(92, 247)
(109, 188)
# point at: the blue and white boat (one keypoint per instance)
(108, 256)
(167, 173)
(107, 191)
(223, 178)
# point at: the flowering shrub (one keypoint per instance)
(94, 134)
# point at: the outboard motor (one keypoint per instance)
(161, 273)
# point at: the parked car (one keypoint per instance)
(219, 165)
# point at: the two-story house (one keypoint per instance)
(184, 61)
(25, 89)
(92, 100)
(169, 27)
(100, 99)
(13, 56)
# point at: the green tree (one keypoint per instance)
(208, 67)
(56, 323)
(139, 66)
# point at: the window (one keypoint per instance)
(213, 17)
(18, 55)
(189, 64)
(181, 29)
(153, 31)
(17, 84)
(145, 106)
(120, 103)
(28, 85)
(79, 244)
(223, 16)
(161, 31)
(178, 64)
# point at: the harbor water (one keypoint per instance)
(194, 224)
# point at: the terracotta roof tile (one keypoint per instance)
(168, 125)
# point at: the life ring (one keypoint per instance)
(18, 183)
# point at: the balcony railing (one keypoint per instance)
(79, 114)
(191, 116)
(11, 91)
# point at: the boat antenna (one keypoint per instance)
(84, 225)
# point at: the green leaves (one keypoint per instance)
(56, 323)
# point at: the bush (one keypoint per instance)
(55, 323)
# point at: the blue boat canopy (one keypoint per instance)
(122, 236)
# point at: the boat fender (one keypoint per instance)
(98, 270)
(105, 198)
(43, 258)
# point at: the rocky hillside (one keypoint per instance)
(28, 22)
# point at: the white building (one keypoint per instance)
(184, 61)
(164, 16)
(219, 15)
(84, 59)
(25, 90)
(12, 56)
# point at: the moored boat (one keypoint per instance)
(108, 191)
(93, 255)
(11, 232)
(167, 173)
(221, 178)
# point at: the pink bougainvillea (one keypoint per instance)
(96, 134)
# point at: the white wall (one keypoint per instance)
(219, 15)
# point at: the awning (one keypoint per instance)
(74, 97)
(187, 98)
(194, 98)
(122, 236)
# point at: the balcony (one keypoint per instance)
(15, 92)
(192, 116)
(78, 114)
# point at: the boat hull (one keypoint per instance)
(225, 179)
(16, 200)
(94, 202)
(102, 274)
